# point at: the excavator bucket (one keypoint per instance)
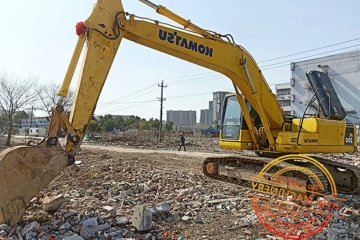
(24, 172)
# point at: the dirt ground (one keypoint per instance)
(121, 176)
(167, 173)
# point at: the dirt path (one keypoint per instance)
(189, 160)
(160, 151)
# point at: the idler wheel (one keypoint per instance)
(212, 168)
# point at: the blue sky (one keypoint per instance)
(38, 38)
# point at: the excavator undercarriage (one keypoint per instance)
(241, 170)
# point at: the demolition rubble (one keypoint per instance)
(150, 195)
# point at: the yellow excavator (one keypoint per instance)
(252, 117)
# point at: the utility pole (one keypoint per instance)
(161, 107)
(31, 115)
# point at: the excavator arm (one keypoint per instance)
(108, 24)
(225, 57)
(99, 39)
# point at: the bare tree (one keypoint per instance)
(48, 98)
(14, 95)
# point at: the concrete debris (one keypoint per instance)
(142, 218)
(33, 226)
(155, 196)
(122, 221)
(185, 218)
(161, 209)
(54, 203)
(73, 237)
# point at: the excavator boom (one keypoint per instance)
(103, 32)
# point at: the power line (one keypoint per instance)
(200, 79)
(122, 100)
(356, 45)
(202, 93)
(287, 63)
(274, 64)
(151, 100)
(311, 50)
(294, 54)
(133, 94)
(187, 76)
(218, 76)
(190, 95)
(131, 106)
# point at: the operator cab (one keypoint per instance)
(235, 132)
(231, 118)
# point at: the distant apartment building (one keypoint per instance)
(284, 97)
(35, 122)
(182, 119)
(218, 101)
(204, 117)
(210, 113)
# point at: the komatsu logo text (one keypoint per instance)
(174, 38)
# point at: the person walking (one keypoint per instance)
(182, 142)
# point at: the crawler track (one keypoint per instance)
(347, 179)
(240, 169)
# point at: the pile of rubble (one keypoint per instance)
(158, 196)
(114, 196)
(148, 142)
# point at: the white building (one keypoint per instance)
(284, 97)
(24, 125)
(34, 122)
(344, 72)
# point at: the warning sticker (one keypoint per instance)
(106, 48)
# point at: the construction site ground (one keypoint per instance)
(113, 174)
(175, 178)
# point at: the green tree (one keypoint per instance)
(108, 126)
(107, 123)
(94, 126)
(20, 115)
(155, 123)
(132, 122)
(119, 123)
(144, 125)
(169, 125)
(111, 123)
